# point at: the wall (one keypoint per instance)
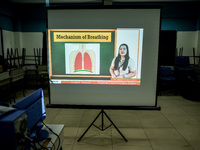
(19, 40)
(8, 40)
(22, 27)
(7, 17)
(198, 44)
(31, 40)
(183, 18)
(188, 40)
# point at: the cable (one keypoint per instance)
(41, 146)
(29, 144)
(53, 145)
(32, 144)
(53, 133)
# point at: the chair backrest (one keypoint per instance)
(4, 104)
(182, 61)
(165, 71)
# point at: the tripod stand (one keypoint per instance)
(102, 113)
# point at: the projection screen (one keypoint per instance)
(105, 29)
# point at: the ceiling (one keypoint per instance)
(94, 1)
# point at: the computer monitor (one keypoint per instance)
(34, 106)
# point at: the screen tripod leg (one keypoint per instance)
(115, 127)
(89, 126)
(102, 129)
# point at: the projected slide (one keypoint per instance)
(95, 56)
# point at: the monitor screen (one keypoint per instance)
(34, 106)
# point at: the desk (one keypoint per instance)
(59, 130)
(4, 78)
(5, 92)
(43, 75)
(17, 81)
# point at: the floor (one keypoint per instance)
(175, 127)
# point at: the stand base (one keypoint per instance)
(102, 113)
(39, 134)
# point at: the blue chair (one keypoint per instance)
(183, 68)
(166, 79)
(4, 104)
(186, 78)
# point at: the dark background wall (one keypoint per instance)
(175, 16)
(179, 16)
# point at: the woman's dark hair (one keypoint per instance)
(118, 58)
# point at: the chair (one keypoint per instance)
(43, 76)
(183, 68)
(166, 79)
(17, 81)
(4, 104)
(186, 78)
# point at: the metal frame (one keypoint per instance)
(102, 113)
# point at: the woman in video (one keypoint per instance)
(123, 66)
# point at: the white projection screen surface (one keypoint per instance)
(145, 20)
